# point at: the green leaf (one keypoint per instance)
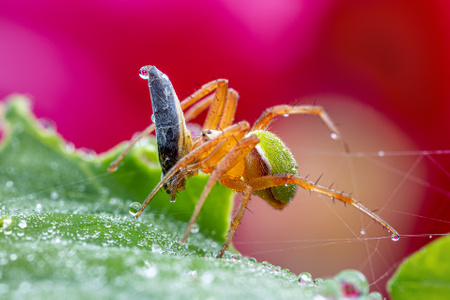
(65, 230)
(425, 274)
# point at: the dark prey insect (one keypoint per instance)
(243, 158)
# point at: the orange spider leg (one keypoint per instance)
(239, 186)
(198, 108)
(113, 166)
(194, 156)
(244, 146)
(200, 93)
(229, 109)
(270, 113)
(228, 112)
(217, 106)
(265, 182)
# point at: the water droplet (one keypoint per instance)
(152, 118)
(47, 124)
(363, 231)
(70, 147)
(251, 259)
(87, 153)
(431, 236)
(381, 153)
(134, 208)
(207, 278)
(22, 224)
(156, 248)
(195, 228)
(318, 281)
(285, 115)
(334, 136)
(375, 296)
(277, 270)
(113, 169)
(13, 257)
(5, 222)
(9, 184)
(172, 200)
(144, 72)
(38, 208)
(353, 284)
(54, 195)
(286, 272)
(149, 270)
(395, 237)
(305, 279)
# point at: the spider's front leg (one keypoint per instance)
(264, 120)
(265, 182)
(222, 104)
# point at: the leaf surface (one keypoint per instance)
(425, 274)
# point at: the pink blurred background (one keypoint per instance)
(380, 68)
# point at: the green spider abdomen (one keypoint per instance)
(270, 157)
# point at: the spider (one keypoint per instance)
(248, 160)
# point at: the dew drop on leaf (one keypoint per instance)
(5, 222)
(22, 224)
(305, 279)
(353, 284)
(207, 278)
(156, 248)
(318, 281)
(38, 208)
(70, 147)
(47, 124)
(375, 296)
